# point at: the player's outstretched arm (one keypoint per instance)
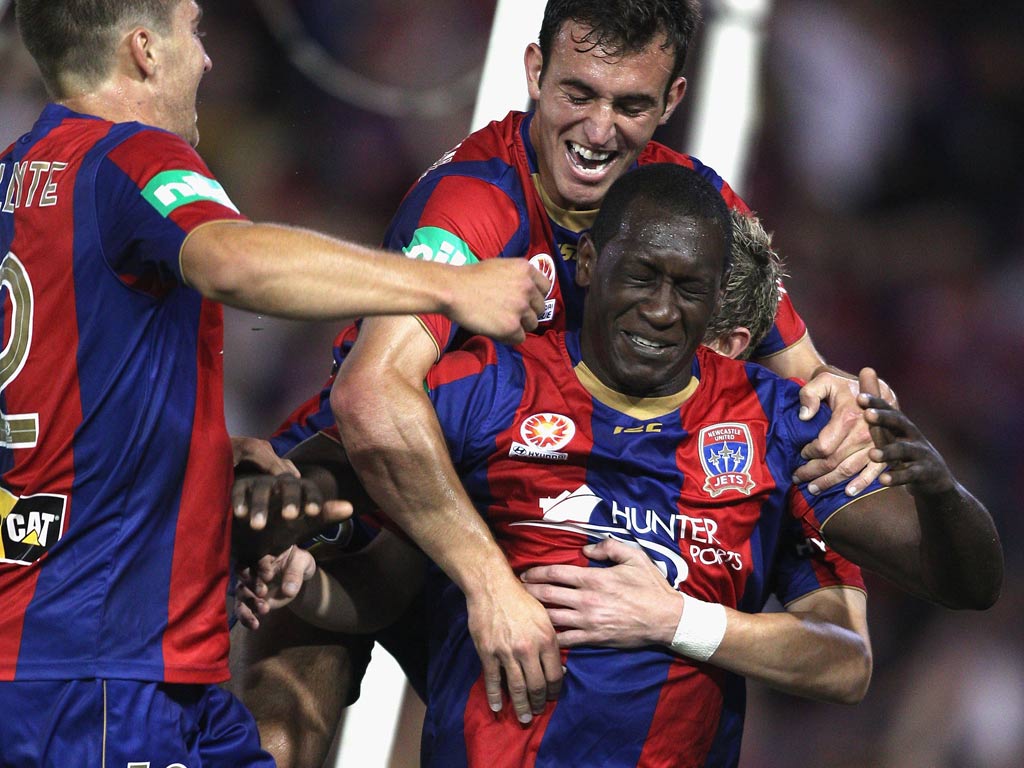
(300, 274)
(928, 534)
(840, 452)
(395, 443)
(818, 647)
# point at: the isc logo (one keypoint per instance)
(654, 426)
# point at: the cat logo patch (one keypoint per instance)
(726, 453)
(29, 525)
(544, 434)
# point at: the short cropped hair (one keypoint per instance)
(624, 26)
(677, 190)
(77, 38)
(751, 295)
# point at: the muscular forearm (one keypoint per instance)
(301, 274)
(961, 556)
(943, 548)
(364, 591)
(798, 653)
(395, 444)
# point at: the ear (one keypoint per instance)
(534, 62)
(586, 255)
(732, 344)
(140, 48)
(675, 95)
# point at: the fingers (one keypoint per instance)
(492, 683)
(868, 381)
(298, 569)
(337, 510)
(614, 550)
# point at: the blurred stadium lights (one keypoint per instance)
(503, 82)
(316, 63)
(726, 106)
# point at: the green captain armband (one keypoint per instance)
(440, 246)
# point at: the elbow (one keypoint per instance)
(359, 399)
(973, 588)
(853, 676)
(856, 687)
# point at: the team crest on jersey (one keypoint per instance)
(544, 435)
(726, 453)
(30, 525)
(546, 266)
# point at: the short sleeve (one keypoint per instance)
(458, 219)
(152, 191)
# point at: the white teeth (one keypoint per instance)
(594, 155)
(647, 342)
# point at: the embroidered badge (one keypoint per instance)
(726, 453)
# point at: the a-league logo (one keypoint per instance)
(726, 454)
(544, 434)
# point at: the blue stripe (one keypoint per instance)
(107, 581)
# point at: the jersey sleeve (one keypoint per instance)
(805, 564)
(152, 191)
(794, 434)
(787, 330)
(454, 219)
(465, 387)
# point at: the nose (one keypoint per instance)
(660, 307)
(599, 127)
(207, 62)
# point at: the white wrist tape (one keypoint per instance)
(700, 629)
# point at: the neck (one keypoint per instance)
(111, 101)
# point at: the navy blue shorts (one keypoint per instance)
(125, 723)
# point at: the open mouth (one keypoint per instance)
(593, 161)
(647, 346)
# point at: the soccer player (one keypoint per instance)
(603, 76)
(626, 430)
(115, 462)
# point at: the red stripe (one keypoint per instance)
(48, 382)
(195, 646)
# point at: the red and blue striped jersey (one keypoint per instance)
(115, 464)
(700, 480)
(483, 200)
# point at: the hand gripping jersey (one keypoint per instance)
(701, 481)
(115, 463)
(483, 200)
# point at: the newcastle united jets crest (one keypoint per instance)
(726, 454)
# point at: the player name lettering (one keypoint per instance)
(30, 182)
(698, 529)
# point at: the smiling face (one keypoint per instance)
(652, 290)
(595, 112)
(182, 66)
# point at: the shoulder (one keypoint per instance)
(655, 152)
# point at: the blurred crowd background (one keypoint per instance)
(890, 165)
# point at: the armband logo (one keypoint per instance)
(170, 190)
(546, 266)
(726, 454)
(30, 525)
(440, 246)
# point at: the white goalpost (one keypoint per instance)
(724, 119)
